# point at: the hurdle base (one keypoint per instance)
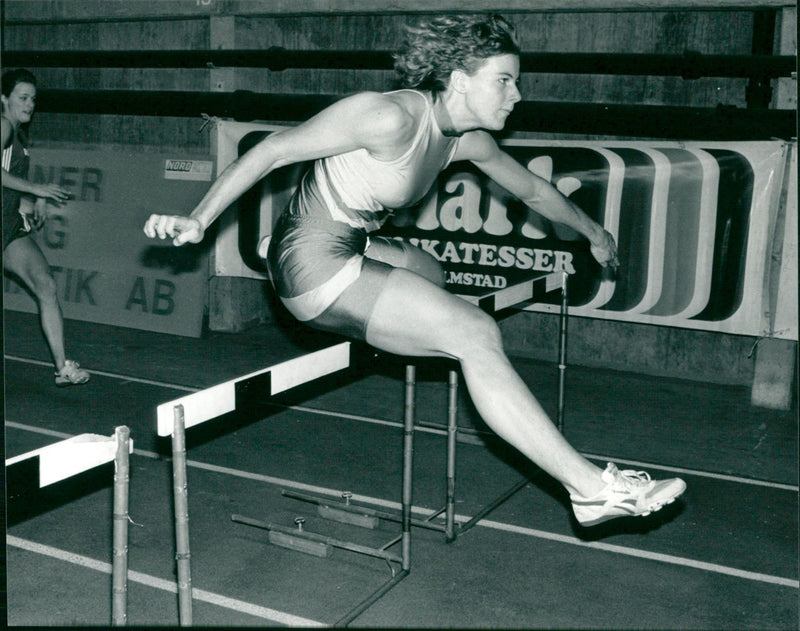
(345, 517)
(295, 535)
(488, 508)
(298, 544)
(363, 516)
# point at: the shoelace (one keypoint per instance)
(70, 367)
(630, 478)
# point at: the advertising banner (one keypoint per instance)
(107, 270)
(695, 223)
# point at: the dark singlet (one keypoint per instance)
(17, 162)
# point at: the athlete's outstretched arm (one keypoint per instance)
(367, 120)
(538, 194)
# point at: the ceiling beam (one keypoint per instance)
(57, 11)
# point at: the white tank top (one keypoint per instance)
(361, 190)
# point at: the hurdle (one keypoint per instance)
(498, 304)
(174, 417)
(43, 467)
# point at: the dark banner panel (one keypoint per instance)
(694, 221)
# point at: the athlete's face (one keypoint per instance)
(19, 105)
(492, 91)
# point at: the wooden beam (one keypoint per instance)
(641, 121)
(55, 11)
(689, 65)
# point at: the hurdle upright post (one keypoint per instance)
(408, 463)
(179, 485)
(119, 567)
(562, 351)
(452, 436)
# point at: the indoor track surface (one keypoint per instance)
(725, 556)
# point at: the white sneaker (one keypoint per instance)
(627, 493)
(71, 374)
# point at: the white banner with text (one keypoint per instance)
(698, 226)
(106, 269)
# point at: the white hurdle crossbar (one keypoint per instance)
(174, 417)
(59, 461)
(210, 403)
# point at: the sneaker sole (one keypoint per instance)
(64, 384)
(653, 509)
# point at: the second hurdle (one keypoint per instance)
(174, 417)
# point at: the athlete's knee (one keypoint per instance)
(43, 285)
(478, 334)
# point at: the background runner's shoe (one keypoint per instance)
(71, 374)
(627, 493)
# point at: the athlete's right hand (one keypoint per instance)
(180, 229)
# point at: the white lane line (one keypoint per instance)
(644, 554)
(149, 454)
(428, 430)
(273, 615)
(374, 421)
(531, 532)
(113, 375)
(647, 465)
(486, 523)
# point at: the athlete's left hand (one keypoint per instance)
(604, 250)
(40, 214)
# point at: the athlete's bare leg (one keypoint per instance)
(414, 316)
(24, 259)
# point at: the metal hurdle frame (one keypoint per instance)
(492, 303)
(404, 539)
(174, 417)
(57, 462)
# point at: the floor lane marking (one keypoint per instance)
(113, 375)
(321, 412)
(541, 534)
(273, 615)
(694, 472)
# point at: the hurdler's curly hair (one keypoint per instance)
(434, 48)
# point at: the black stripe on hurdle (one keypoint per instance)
(538, 290)
(251, 393)
(23, 477)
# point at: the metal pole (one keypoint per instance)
(408, 461)
(562, 351)
(452, 433)
(180, 492)
(405, 535)
(119, 567)
(490, 507)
